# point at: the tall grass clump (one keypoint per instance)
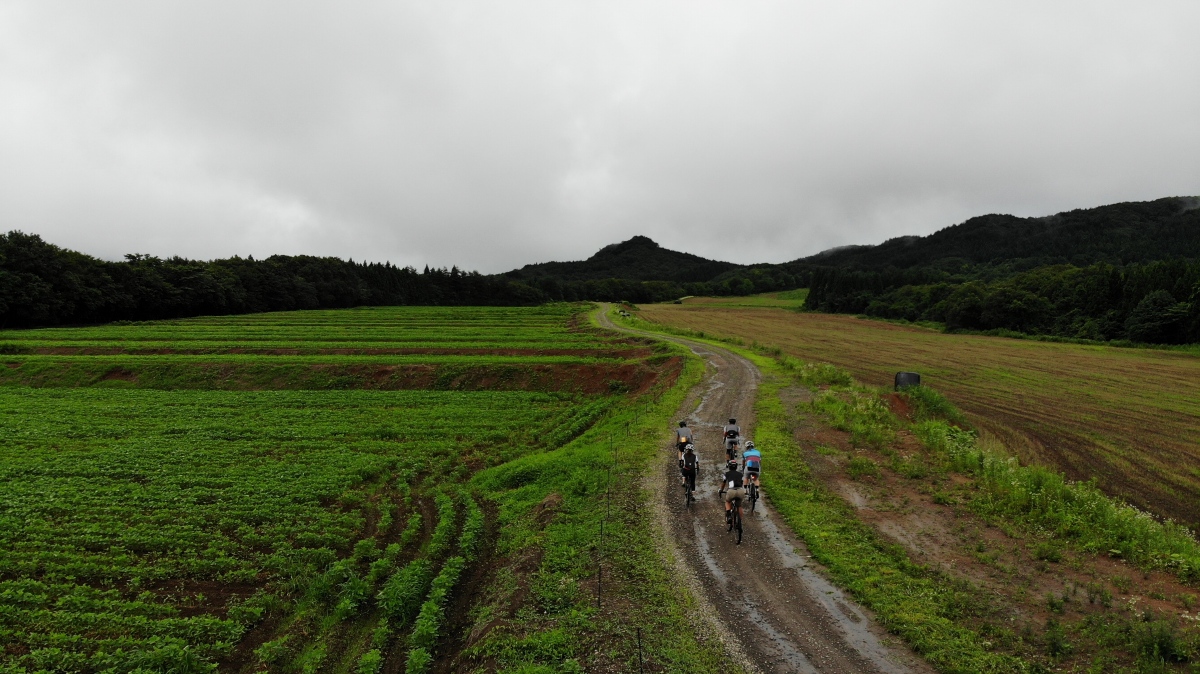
(928, 405)
(813, 375)
(1049, 504)
(858, 412)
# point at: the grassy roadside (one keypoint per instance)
(951, 621)
(564, 514)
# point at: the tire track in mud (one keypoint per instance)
(773, 610)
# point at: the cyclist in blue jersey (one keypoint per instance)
(752, 463)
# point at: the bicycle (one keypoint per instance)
(735, 519)
(752, 494)
(732, 445)
(688, 492)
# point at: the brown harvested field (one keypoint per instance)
(1128, 417)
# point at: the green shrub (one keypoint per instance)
(370, 662)
(418, 662)
(861, 466)
(366, 550)
(401, 596)
(472, 532)
(443, 533)
(1047, 552)
(929, 405)
(411, 532)
(429, 621)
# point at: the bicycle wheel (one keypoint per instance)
(753, 497)
(737, 519)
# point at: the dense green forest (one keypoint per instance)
(1125, 271)
(43, 284)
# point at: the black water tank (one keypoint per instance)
(907, 379)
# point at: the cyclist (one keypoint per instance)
(752, 463)
(688, 463)
(731, 486)
(731, 432)
(683, 437)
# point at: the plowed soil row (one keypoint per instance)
(630, 353)
(586, 378)
(1129, 418)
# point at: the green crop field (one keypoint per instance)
(375, 347)
(236, 493)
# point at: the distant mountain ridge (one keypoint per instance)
(637, 259)
(1121, 233)
(1121, 271)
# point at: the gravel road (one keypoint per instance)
(776, 612)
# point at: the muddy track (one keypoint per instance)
(777, 612)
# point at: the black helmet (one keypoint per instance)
(732, 465)
(683, 424)
(732, 420)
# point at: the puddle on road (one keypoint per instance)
(785, 651)
(848, 616)
(706, 554)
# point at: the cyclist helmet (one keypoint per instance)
(683, 424)
(732, 465)
(749, 445)
(732, 421)
(689, 447)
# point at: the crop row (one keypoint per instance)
(529, 328)
(122, 508)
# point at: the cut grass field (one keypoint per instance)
(156, 519)
(1129, 418)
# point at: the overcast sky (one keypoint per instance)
(495, 134)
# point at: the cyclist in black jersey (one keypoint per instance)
(688, 463)
(731, 485)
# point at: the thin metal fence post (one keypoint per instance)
(600, 565)
(641, 667)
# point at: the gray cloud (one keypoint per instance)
(490, 135)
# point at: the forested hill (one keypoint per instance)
(1125, 271)
(638, 259)
(1116, 234)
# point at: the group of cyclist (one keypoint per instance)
(736, 477)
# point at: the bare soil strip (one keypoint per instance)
(772, 600)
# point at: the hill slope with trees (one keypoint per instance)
(1128, 271)
(638, 259)
(1125, 271)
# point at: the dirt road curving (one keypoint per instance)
(777, 613)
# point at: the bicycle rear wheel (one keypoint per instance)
(737, 519)
(753, 497)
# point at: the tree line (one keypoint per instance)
(42, 285)
(1155, 302)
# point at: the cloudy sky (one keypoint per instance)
(494, 134)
